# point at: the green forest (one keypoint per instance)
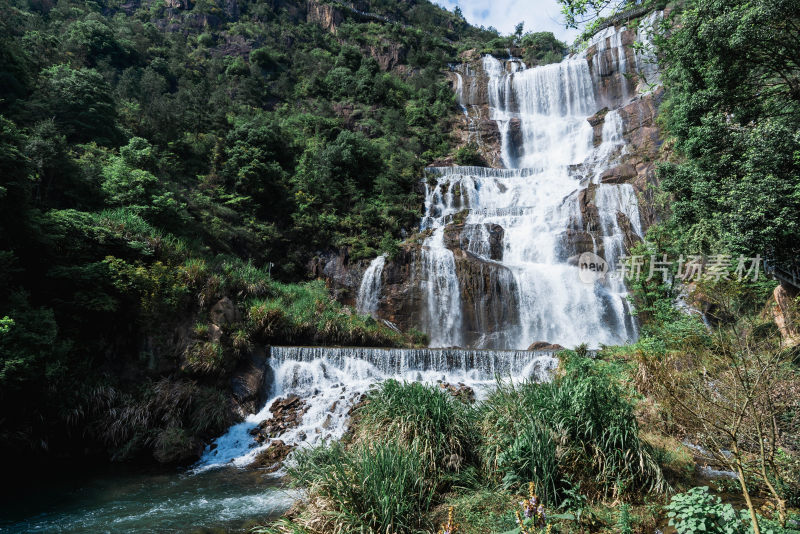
(156, 159)
(170, 170)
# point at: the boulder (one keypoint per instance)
(620, 174)
(460, 391)
(247, 383)
(224, 312)
(544, 345)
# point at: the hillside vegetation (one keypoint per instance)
(159, 157)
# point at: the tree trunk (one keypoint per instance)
(745, 492)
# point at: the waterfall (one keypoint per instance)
(440, 283)
(498, 266)
(369, 292)
(331, 380)
(550, 155)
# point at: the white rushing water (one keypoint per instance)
(369, 292)
(551, 155)
(330, 380)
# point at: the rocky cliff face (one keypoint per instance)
(643, 141)
(785, 313)
(326, 15)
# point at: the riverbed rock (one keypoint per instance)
(287, 413)
(544, 345)
(460, 391)
(273, 456)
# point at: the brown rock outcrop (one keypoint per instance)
(786, 314)
(287, 413)
(247, 383)
(388, 55)
(326, 15)
(620, 174)
(488, 296)
(224, 312)
(273, 456)
(588, 209)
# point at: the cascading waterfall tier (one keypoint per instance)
(369, 292)
(526, 225)
(332, 379)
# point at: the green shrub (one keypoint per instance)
(585, 412)
(698, 511)
(469, 155)
(531, 457)
(305, 314)
(426, 419)
(367, 489)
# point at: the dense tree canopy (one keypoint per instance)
(154, 159)
(733, 74)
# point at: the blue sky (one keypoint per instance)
(538, 15)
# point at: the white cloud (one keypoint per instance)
(538, 15)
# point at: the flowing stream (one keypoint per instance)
(122, 500)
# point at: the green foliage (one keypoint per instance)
(531, 457)
(697, 511)
(574, 505)
(370, 489)
(468, 155)
(624, 520)
(168, 417)
(733, 112)
(542, 48)
(427, 420)
(588, 414)
(80, 102)
(305, 314)
(151, 165)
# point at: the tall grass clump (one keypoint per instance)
(428, 420)
(365, 489)
(581, 427)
